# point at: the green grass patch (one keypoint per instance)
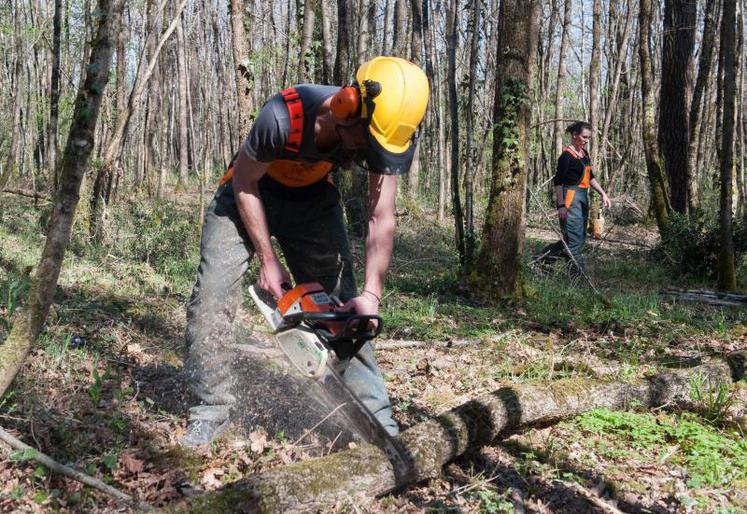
(711, 457)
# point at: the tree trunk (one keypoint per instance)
(469, 157)
(740, 117)
(306, 34)
(654, 165)
(181, 65)
(416, 44)
(385, 29)
(328, 57)
(452, 42)
(594, 72)
(28, 324)
(341, 73)
(316, 485)
(497, 266)
(560, 82)
(243, 77)
(696, 108)
(364, 31)
(399, 41)
(674, 107)
(727, 278)
(54, 94)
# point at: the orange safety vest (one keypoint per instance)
(290, 172)
(585, 179)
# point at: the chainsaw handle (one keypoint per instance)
(333, 316)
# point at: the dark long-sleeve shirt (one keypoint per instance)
(570, 169)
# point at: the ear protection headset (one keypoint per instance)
(354, 100)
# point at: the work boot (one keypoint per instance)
(202, 431)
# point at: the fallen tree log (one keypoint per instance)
(27, 192)
(706, 296)
(317, 484)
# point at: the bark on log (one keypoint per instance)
(319, 483)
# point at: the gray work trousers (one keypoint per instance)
(574, 229)
(312, 236)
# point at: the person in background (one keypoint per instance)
(573, 178)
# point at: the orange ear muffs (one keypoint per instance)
(346, 103)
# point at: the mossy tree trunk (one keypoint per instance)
(317, 484)
(654, 164)
(29, 321)
(495, 272)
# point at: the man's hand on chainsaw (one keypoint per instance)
(272, 275)
(363, 304)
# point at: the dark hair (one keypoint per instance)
(577, 126)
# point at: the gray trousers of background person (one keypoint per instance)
(312, 236)
(574, 229)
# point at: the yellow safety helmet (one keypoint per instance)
(394, 94)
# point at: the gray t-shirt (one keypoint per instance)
(269, 134)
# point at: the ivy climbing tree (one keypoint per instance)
(496, 269)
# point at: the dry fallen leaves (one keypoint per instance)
(132, 464)
(258, 441)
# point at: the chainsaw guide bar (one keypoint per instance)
(320, 341)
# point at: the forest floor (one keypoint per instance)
(102, 392)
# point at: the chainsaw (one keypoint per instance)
(320, 340)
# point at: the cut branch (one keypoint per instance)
(319, 483)
(26, 192)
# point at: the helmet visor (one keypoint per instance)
(377, 159)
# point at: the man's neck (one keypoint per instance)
(326, 138)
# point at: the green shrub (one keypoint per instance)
(159, 233)
(691, 247)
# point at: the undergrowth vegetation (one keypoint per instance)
(690, 247)
(112, 349)
(711, 456)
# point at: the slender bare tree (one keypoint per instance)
(239, 44)
(727, 277)
(654, 163)
(28, 324)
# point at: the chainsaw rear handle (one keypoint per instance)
(346, 342)
(356, 325)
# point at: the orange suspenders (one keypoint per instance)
(585, 179)
(295, 110)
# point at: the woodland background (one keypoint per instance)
(189, 76)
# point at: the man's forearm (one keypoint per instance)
(379, 245)
(252, 215)
(381, 225)
(247, 173)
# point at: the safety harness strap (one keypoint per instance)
(295, 111)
